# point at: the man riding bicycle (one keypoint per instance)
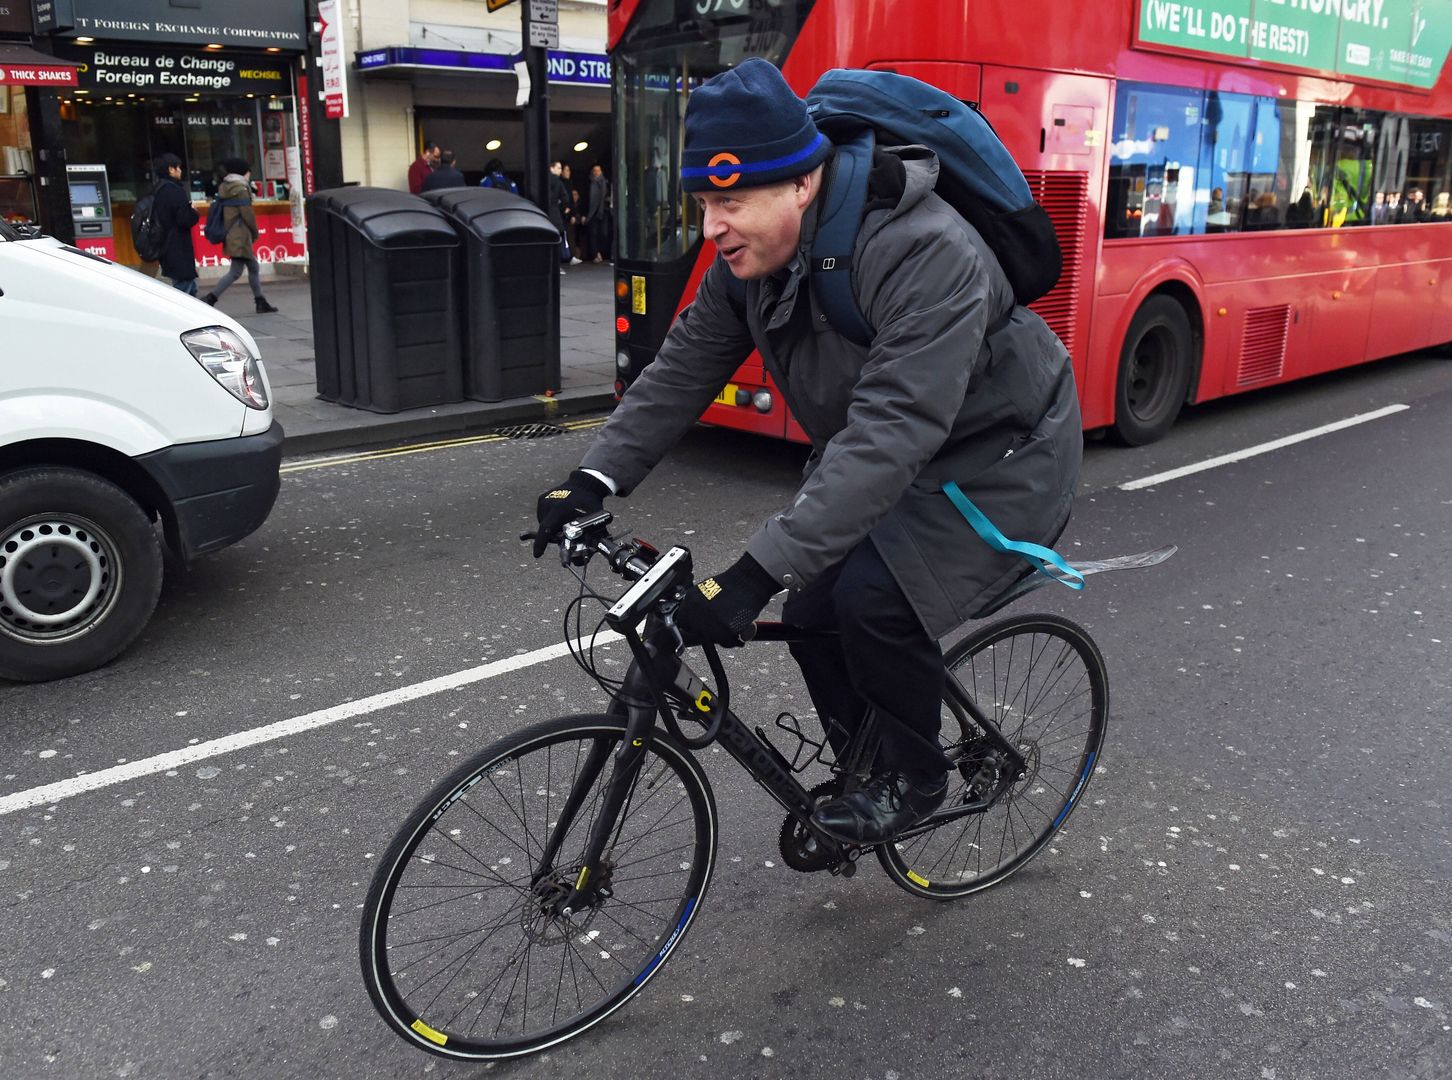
(957, 384)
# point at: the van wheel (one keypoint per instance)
(1154, 372)
(80, 571)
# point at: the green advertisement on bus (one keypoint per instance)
(1397, 41)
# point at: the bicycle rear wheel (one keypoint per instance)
(1041, 680)
(464, 950)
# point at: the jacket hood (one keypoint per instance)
(233, 187)
(917, 176)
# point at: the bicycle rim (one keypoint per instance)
(458, 953)
(1042, 681)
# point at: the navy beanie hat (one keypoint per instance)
(745, 128)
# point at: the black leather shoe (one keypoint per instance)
(886, 805)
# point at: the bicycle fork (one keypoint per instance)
(640, 700)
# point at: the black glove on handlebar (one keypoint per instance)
(718, 609)
(579, 496)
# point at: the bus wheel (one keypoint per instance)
(1154, 372)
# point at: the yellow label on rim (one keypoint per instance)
(637, 295)
(437, 1037)
(918, 879)
(727, 396)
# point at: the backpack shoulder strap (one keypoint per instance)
(838, 222)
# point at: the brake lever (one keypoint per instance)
(667, 612)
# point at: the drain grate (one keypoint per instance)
(529, 431)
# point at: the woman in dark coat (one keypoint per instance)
(174, 211)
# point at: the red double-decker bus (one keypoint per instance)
(1246, 191)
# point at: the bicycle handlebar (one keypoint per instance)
(634, 560)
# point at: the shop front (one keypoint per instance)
(217, 85)
(135, 102)
(22, 72)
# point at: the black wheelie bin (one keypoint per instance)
(509, 294)
(386, 326)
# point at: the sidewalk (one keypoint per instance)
(587, 369)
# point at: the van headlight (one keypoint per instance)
(227, 360)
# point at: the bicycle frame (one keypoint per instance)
(659, 680)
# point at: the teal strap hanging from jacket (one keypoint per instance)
(1036, 555)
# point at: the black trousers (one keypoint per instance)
(883, 659)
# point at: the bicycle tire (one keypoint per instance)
(1041, 679)
(399, 941)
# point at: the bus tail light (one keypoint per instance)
(622, 325)
(622, 290)
(622, 361)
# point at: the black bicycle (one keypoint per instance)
(540, 887)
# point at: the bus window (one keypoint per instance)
(1429, 163)
(1153, 161)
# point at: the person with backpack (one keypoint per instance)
(232, 224)
(162, 229)
(494, 177)
(954, 393)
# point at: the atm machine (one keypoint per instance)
(91, 209)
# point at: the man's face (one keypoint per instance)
(433, 155)
(174, 171)
(757, 229)
(595, 170)
(556, 168)
(1415, 195)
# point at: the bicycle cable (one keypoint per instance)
(584, 654)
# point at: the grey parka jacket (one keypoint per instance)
(957, 384)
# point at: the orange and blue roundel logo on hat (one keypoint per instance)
(714, 165)
(746, 128)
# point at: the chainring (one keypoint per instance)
(800, 848)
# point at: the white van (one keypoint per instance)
(124, 404)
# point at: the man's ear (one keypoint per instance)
(806, 186)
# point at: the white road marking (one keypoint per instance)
(240, 740)
(1263, 448)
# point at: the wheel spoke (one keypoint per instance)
(1040, 680)
(469, 948)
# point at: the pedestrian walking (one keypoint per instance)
(239, 222)
(560, 210)
(177, 217)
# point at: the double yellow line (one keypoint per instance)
(423, 448)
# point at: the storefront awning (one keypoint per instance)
(581, 69)
(21, 65)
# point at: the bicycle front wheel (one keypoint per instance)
(465, 948)
(1041, 680)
